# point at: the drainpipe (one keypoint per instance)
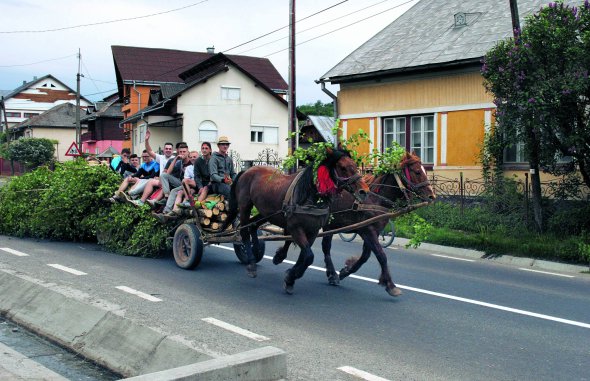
(138, 108)
(335, 101)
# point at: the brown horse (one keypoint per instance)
(387, 191)
(294, 208)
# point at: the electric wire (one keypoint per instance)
(283, 27)
(38, 62)
(104, 22)
(343, 27)
(313, 27)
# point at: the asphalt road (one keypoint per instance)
(457, 319)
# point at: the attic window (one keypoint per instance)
(44, 85)
(460, 19)
(52, 85)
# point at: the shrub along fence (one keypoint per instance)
(558, 196)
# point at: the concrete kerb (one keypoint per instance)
(121, 345)
(531, 263)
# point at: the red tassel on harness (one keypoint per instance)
(325, 183)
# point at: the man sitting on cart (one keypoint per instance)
(221, 169)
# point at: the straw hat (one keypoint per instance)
(223, 140)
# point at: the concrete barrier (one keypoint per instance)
(121, 345)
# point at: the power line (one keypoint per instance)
(345, 26)
(102, 92)
(283, 27)
(266, 34)
(104, 22)
(38, 62)
(313, 27)
(88, 73)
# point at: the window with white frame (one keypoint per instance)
(264, 134)
(394, 130)
(514, 153)
(142, 130)
(422, 137)
(207, 131)
(230, 93)
(420, 129)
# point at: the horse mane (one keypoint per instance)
(305, 187)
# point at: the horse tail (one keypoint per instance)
(233, 200)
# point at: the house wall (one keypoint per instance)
(159, 135)
(458, 101)
(138, 97)
(233, 118)
(64, 136)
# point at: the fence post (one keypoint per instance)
(526, 197)
(461, 191)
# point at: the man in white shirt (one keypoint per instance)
(161, 160)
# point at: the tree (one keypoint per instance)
(542, 91)
(32, 152)
(318, 108)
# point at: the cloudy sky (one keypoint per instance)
(31, 46)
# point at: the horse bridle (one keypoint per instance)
(409, 186)
(346, 184)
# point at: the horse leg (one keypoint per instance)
(352, 265)
(330, 270)
(385, 278)
(281, 253)
(303, 262)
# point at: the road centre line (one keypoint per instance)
(455, 258)
(361, 374)
(546, 272)
(465, 300)
(139, 293)
(235, 329)
(66, 269)
(14, 252)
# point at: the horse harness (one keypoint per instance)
(290, 207)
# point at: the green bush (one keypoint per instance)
(68, 204)
(32, 152)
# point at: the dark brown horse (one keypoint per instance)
(387, 191)
(294, 208)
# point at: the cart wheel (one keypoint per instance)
(347, 237)
(258, 251)
(187, 246)
(387, 236)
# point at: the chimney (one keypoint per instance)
(211, 50)
(24, 82)
(34, 78)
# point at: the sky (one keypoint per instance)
(30, 46)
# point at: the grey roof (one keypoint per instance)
(63, 115)
(171, 89)
(104, 109)
(324, 125)
(426, 35)
(109, 152)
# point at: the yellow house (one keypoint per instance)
(418, 83)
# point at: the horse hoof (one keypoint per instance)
(344, 273)
(276, 260)
(394, 291)
(288, 288)
(251, 271)
(333, 280)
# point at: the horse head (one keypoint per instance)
(344, 172)
(414, 177)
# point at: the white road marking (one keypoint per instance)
(224, 247)
(234, 329)
(546, 272)
(361, 374)
(139, 293)
(458, 259)
(466, 300)
(66, 269)
(15, 252)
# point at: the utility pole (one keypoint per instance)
(3, 120)
(515, 18)
(292, 100)
(78, 128)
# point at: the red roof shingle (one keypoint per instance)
(164, 65)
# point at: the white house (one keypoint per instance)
(218, 97)
(37, 96)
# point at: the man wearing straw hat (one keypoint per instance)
(221, 169)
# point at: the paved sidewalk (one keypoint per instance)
(15, 366)
(535, 264)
